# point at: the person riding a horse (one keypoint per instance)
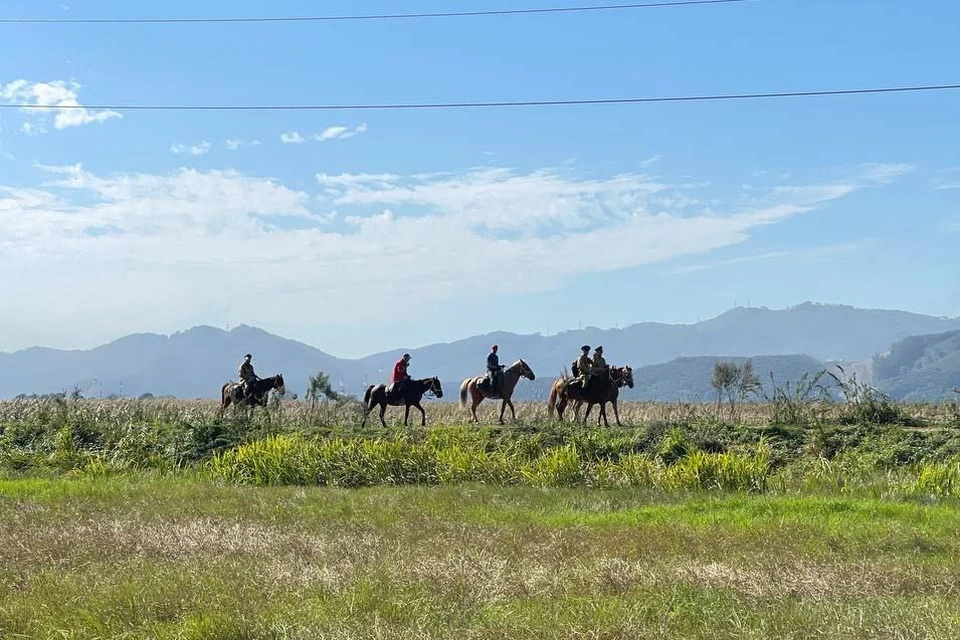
(246, 375)
(494, 369)
(400, 376)
(583, 367)
(599, 365)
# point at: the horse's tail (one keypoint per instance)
(224, 398)
(463, 392)
(367, 396)
(552, 402)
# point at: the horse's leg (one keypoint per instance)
(477, 400)
(561, 407)
(406, 415)
(587, 414)
(423, 415)
(603, 414)
(503, 408)
(383, 411)
(616, 413)
(512, 411)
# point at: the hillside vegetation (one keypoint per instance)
(921, 368)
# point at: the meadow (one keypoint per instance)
(163, 519)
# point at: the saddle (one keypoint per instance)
(393, 389)
(486, 385)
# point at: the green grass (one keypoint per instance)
(177, 558)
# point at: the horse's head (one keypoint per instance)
(622, 376)
(434, 386)
(526, 371)
(278, 384)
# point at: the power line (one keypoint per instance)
(390, 16)
(470, 105)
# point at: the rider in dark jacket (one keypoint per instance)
(494, 368)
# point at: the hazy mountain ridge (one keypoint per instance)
(921, 367)
(196, 362)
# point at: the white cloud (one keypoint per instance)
(59, 97)
(332, 133)
(883, 173)
(292, 137)
(161, 248)
(194, 150)
(234, 144)
(340, 133)
(827, 252)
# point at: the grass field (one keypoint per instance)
(138, 558)
(162, 519)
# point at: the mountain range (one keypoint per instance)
(671, 361)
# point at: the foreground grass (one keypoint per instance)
(137, 558)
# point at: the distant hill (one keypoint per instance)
(688, 379)
(921, 368)
(194, 363)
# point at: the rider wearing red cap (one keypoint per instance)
(494, 368)
(400, 374)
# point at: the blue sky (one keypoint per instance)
(375, 229)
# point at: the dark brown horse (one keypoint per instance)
(597, 392)
(410, 395)
(259, 390)
(508, 382)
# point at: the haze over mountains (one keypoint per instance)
(196, 362)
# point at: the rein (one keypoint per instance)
(430, 388)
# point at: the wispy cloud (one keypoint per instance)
(340, 133)
(292, 137)
(649, 162)
(188, 234)
(194, 149)
(235, 144)
(58, 97)
(883, 173)
(827, 252)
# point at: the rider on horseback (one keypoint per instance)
(599, 367)
(583, 367)
(400, 376)
(246, 375)
(494, 369)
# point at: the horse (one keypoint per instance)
(511, 376)
(411, 394)
(563, 392)
(259, 389)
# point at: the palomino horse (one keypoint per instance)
(508, 382)
(411, 394)
(563, 392)
(259, 389)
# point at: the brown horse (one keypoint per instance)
(410, 396)
(563, 392)
(259, 390)
(508, 382)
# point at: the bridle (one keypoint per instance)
(618, 376)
